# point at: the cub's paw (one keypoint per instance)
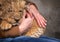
(5, 25)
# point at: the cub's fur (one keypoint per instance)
(11, 12)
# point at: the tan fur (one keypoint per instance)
(12, 10)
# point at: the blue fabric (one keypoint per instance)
(29, 39)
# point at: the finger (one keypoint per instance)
(35, 12)
(39, 23)
(43, 26)
(42, 23)
(43, 18)
(30, 12)
(28, 15)
(37, 15)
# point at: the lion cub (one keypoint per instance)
(11, 12)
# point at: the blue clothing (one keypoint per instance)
(29, 39)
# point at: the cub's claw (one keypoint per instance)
(5, 25)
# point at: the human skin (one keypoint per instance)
(27, 21)
(39, 18)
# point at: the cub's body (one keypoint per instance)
(10, 14)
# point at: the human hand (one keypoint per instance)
(26, 22)
(38, 17)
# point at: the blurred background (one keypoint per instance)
(50, 9)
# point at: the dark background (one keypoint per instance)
(50, 9)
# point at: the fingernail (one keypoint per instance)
(45, 24)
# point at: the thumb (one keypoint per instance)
(28, 15)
